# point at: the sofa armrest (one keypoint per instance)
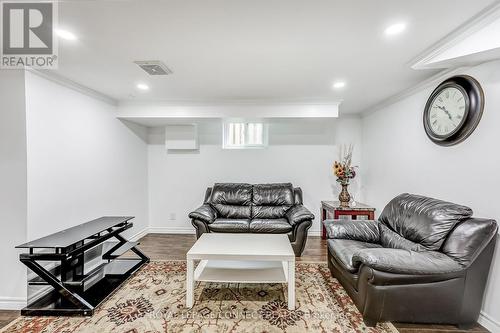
(204, 213)
(298, 214)
(406, 262)
(359, 230)
(469, 238)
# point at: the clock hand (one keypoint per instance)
(446, 111)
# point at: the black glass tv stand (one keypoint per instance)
(72, 271)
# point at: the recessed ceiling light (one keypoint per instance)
(395, 29)
(142, 86)
(338, 85)
(64, 34)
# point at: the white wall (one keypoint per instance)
(13, 187)
(300, 152)
(398, 157)
(83, 163)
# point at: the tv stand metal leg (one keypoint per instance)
(58, 286)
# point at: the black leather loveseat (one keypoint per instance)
(423, 261)
(262, 208)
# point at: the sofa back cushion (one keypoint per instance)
(232, 200)
(271, 201)
(425, 221)
(393, 240)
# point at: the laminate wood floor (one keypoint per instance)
(175, 247)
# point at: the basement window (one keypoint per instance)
(244, 135)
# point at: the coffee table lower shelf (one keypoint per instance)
(241, 271)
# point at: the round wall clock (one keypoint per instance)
(453, 110)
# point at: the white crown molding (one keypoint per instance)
(258, 111)
(201, 103)
(433, 80)
(50, 75)
(488, 322)
(350, 115)
(477, 22)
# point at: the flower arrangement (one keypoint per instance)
(343, 169)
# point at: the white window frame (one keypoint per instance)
(226, 127)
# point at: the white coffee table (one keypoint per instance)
(241, 258)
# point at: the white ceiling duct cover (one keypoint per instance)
(154, 67)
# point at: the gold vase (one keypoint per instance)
(344, 196)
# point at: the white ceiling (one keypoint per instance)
(260, 50)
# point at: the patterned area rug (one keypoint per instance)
(153, 301)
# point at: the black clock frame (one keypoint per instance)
(474, 107)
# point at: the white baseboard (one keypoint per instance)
(314, 233)
(139, 234)
(171, 230)
(12, 303)
(489, 323)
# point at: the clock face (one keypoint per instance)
(448, 111)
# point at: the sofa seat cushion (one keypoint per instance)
(344, 249)
(422, 220)
(230, 225)
(270, 226)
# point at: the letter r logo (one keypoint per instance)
(27, 28)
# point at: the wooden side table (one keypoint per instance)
(358, 212)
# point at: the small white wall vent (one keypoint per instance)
(181, 137)
(153, 67)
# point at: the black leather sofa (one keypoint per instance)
(262, 208)
(423, 261)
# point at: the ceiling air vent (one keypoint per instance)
(154, 67)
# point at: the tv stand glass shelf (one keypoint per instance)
(74, 270)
